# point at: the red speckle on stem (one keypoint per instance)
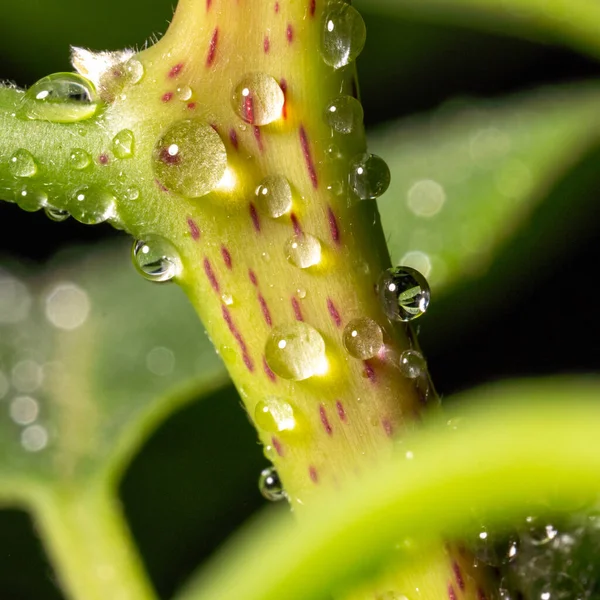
(255, 218)
(210, 274)
(481, 594)
(194, 229)
(248, 108)
(333, 225)
(312, 7)
(233, 138)
(268, 371)
(265, 310)
(451, 593)
(325, 421)
(278, 446)
(458, 574)
(160, 186)
(266, 44)
(283, 86)
(310, 165)
(175, 70)
(169, 159)
(252, 276)
(276, 7)
(289, 33)
(167, 97)
(226, 257)
(313, 474)
(238, 337)
(191, 105)
(387, 427)
(258, 138)
(212, 48)
(369, 371)
(333, 311)
(103, 159)
(341, 411)
(296, 225)
(208, 3)
(297, 309)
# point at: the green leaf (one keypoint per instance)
(466, 178)
(496, 464)
(92, 357)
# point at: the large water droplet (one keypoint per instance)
(91, 205)
(404, 293)
(363, 338)
(61, 98)
(80, 159)
(258, 99)
(303, 251)
(134, 70)
(123, 144)
(22, 164)
(270, 485)
(274, 196)
(412, 364)
(296, 351)
(369, 176)
(31, 199)
(156, 259)
(56, 214)
(343, 35)
(190, 158)
(274, 415)
(344, 114)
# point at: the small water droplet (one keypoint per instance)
(412, 364)
(363, 338)
(274, 196)
(343, 35)
(227, 299)
(56, 214)
(31, 199)
(344, 114)
(79, 159)
(426, 198)
(184, 93)
(60, 98)
(258, 99)
(303, 251)
(274, 415)
(123, 144)
(134, 70)
(22, 164)
(34, 438)
(67, 306)
(131, 193)
(296, 351)
(190, 158)
(404, 293)
(369, 176)
(24, 410)
(90, 204)
(270, 485)
(301, 293)
(495, 549)
(539, 533)
(156, 259)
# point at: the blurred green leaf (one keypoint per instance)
(495, 465)
(92, 357)
(465, 178)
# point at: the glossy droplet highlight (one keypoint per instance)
(156, 259)
(258, 99)
(274, 196)
(303, 251)
(123, 144)
(79, 159)
(270, 485)
(363, 338)
(184, 93)
(60, 98)
(190, 158)
(369, 176)
(134, 70)
(91, 204)
(274, 415)
(296, 351)
(31, 199)
(344, 114)
(343, 35)
(412, 364)
(22, 164)
(56, 214)
(404, 293)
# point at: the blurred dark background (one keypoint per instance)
(544, 321)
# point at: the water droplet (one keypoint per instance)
(56, 214)
(303, 251)
(539, 534)
(426, 198)
(412, 364)
(156, 259)
(344, 114)
(67, 306)
(227, 299)
(134, 70)
(274, 415)
(91, 205)
(343, 35)
(190, 158)
(79, 159)
(184, 93)
(31, 199)
(258, 99)
(369, 176)
(274, 196)
(34, 438)
(22, 164)
(60, 98)
(270, 485)
(363, 338)
(495, 549)
(301, 293)
(24, 410)
(404, 293)
(123, 144)
(296, 351)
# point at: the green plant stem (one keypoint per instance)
(90, 545)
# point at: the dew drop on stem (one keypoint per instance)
(274, 196)
(303, 251)
(369, 176)
(404, 293)
(270, 485)
(258, 99)
(156, 259)
(22, 164)
(363, 338)
(344, 114)
(343, 35)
